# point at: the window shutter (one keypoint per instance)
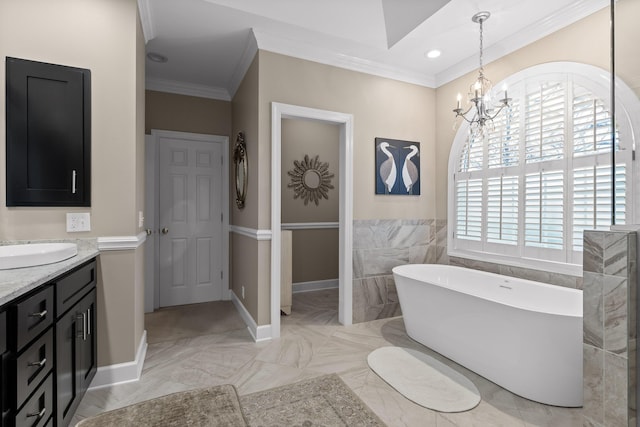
(502, 210)
(503, 141)
(469, 209)
(591, 124)
(545, 122)
(544, 209)
(592, 200)
(471, 158)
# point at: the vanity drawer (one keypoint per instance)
(69, 289)
(38, 409)
(33, 365)
(33, 316)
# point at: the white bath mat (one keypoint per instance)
(424, 380)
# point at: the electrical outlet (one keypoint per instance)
(78, 222)
(243, 292)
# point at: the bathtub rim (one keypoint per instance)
(398, 270)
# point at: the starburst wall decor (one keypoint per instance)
(310, 180)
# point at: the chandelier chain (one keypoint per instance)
(481, 46)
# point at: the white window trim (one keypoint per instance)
(627, 115)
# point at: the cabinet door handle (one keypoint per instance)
(40, 315)
(38, 414)
(89, 321)
(82, 317)
(40, 363)
(73, 181)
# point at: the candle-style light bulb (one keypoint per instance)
(459, 98)
(504, 88)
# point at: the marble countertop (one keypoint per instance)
(19, 281)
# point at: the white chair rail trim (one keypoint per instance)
(121, 243)
(251, 232)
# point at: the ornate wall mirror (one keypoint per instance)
(241, 168)
(310, 180)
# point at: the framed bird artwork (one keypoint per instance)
(397, 167)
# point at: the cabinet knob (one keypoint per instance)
(164, 230)
(149, 231)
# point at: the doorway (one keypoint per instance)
(345, 122)
(187, 211)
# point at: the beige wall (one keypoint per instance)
(246, 252)
(586, 41)
(105, 37)
(315, 252)
(627, 39)
(68, 32)
(168, 111)
(381, 108)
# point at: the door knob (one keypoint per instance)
(164, 230)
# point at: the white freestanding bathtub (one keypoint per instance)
(524, 336)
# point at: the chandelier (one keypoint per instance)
(480, 94)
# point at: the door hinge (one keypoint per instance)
(221, 217)
(221, 275)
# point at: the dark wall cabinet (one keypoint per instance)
(50, 356)
(48, 134)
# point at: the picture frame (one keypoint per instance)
(397, 167)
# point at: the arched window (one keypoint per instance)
(523, 194)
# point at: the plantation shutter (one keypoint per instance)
(544, 209)
(545, 122)
(502, 210)
(469, 209)
(592, 200)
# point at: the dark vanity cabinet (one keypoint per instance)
(3, 352)
(48, 143)
(76, 358)
(31, 360)
(50, 356)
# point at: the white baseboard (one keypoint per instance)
(121, 373)
(316, 285)
(258, 333)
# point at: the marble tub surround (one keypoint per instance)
(19, 281)
(610, 335)
(313, 343)
(378, 246)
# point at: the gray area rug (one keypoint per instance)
(321, 401)
(213, 406)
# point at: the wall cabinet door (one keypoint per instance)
(48, 143)
(75, 356)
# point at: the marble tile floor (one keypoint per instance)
(314, 343)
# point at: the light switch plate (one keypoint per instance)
(78, 222)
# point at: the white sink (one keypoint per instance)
(32, 254)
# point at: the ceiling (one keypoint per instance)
(209, 44)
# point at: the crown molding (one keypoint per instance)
(570, 14)
(146, 20)
(243, 65)
(190, 89)
(309, 52)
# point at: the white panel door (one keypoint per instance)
(190, 214)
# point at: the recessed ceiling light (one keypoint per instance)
(157, 57)
(433, 54)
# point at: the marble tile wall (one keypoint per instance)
(378, 246)
(609, 331)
